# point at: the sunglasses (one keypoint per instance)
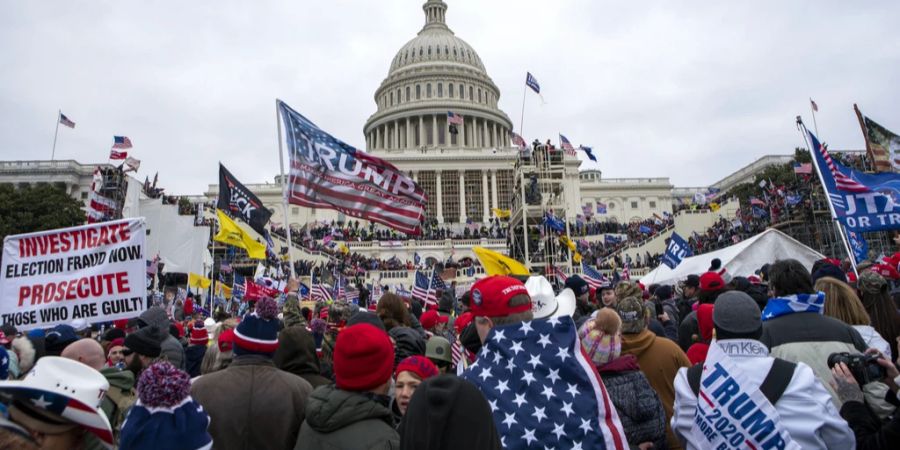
(127, 351)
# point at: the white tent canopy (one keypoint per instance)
(741, 259)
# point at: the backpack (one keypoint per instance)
(116, 404)
(772, 387)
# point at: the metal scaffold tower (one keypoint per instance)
(539, 190)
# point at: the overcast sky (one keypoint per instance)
(689, 90)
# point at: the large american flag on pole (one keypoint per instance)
(593, 277)
(328, 173)
(543, 391)
(425, 289)
(843, 182)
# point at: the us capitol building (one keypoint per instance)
(465, 174)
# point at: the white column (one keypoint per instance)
(494, 133)
(462, 196)
(421, 131)
(475, 138)
(415, 176)
(439, 212)
(494, 201)
(484, 196)
(487, 136)
(434, 135)
(461, 137)
(397, 134)
(408, 134)
(377, 137)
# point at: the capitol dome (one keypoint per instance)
(434, 74)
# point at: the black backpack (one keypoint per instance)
(773, 386)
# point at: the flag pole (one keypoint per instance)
(284, 202)
(55, 134)
(865, 132)
(813, 111)
(840, 229)
(521, 117)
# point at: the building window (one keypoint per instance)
(440, 89)
(428, 90)
(462, 92)
(652, 204)
(407, 93)
(398, 96)
(450, 90)
(84, 195)
(392, 99)
(454, 52)
(479, 95)
(634, 205)
(418, 91)
(429, 50)
(504, 188)
(471, 95)
(611, 205)
(450, 192)
(474, 195)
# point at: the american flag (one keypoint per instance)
(121, 142)
(425, 289)
(454, 118)
(340, 292)
(327, 173)
(803, 169)
(566, 145)
(593, 277)
(320, 291)
(115, 154)
(626, 271)
(65, 121)
(553, 271)
(843, 182)
(543, 391)
(518, 141)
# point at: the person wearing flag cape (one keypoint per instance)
(741, 397)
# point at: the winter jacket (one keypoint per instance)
(252, 404)
(297, 354)
(408, 343)
(344, 420)
(687, 330)
(874, 340)
(172, 350)
(119, 398)
(193, 356)
(809, 337)
(640, 410)
(804, 408)
(659, 360)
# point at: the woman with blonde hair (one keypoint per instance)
(842, 303)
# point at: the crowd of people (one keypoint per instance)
(789, 357)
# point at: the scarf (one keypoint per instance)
(781, 306)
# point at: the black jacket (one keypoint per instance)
(297, 354)
(870, 433)
(193, 359)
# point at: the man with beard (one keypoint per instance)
(582, 290)
(141, 349)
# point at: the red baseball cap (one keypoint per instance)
(431, 318)
(711, 281)
(461, 322)
(886, 271)
(491, 296)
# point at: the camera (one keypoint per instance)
(865, 368)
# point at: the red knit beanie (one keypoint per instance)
(419, 365)
(363, 358)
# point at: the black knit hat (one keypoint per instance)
(144, 342)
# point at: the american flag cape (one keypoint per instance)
(327, 173)
(542, 389)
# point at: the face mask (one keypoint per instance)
(469, 338)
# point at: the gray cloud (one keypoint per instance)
(690, 90)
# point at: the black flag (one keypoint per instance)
(239, 202)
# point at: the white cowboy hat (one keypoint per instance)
(68, 389)
(544, 303)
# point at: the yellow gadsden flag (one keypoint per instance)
(498, 264)
(222, 290)
(501, 213)
(232, 234)
(198, 281)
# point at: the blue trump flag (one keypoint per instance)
(859, 246)
(532, 82)
(860, 201)
(589, 152)
(677, 250)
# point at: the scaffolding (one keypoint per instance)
(539, 190)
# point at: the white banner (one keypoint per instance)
(95, 272)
